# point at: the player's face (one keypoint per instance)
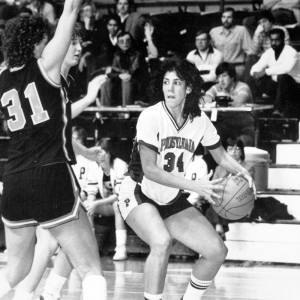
(202, 42)
(235, 152)
(123, 7)
(265, 24)
(74, 52)
(39, 48)
(225, 81)
(112, 27)
(174, 90)
(227, 19)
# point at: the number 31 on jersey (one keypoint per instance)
(12, 100)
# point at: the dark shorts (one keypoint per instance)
(131, 195)
(46, 196)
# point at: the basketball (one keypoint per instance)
(237, 198)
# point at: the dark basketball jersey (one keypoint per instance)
(37, 112)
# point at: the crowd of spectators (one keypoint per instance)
(127, 46)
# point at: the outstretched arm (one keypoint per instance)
(79, 106)
(54, 53)
(93, 153)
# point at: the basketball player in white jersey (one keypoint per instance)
(150, 199)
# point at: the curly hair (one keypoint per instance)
(21, 35)
(187, 71)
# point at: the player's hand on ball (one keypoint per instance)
(247, 176)
(95, 154)
(206, 187)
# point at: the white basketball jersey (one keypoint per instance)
(174, 145)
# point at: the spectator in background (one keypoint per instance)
(278, 75)
(44, 8)
(92, 40)
(109, 42)
(235, 148)
(127, 75)
(205, 58)
(233, 41)
(261, 39)
(260, 43)
(131, 21)
(105, 179)
(232, 123)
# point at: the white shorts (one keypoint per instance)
(131, 195)
(127, 200)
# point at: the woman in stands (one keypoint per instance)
(106, 179)
(150, 199)
(37, 174)
(235, 148)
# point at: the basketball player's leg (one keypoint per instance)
(110, 210)
(44, 249)
(79, 243)
(20, 246)
(58, 276)
(121, 234)
(192, 229)
(147, 223)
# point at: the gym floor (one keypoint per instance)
(235, 280)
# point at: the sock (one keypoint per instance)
(195, 289)
(121, 237)
(94, 287)
(152, 297)
(22, 295)
(54, 285)
(4, 286)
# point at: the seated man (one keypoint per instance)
(233, 41)
(261, 39)
(126, 76)
(232, 123)
(205, 58)
(278, 75)
(260, 43)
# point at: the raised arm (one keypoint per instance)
(54, 53)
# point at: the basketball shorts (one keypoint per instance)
(131, 195)
(46, 196)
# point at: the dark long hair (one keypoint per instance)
(235, 141)
(21, 35)
(185, 71)
(108, 146)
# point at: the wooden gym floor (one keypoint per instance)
(235, 281)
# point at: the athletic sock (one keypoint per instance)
(195, 289)
(4, 286)
(121, 237)
(94, 287)
(152, 297)
(22, 295)
(54, 285)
